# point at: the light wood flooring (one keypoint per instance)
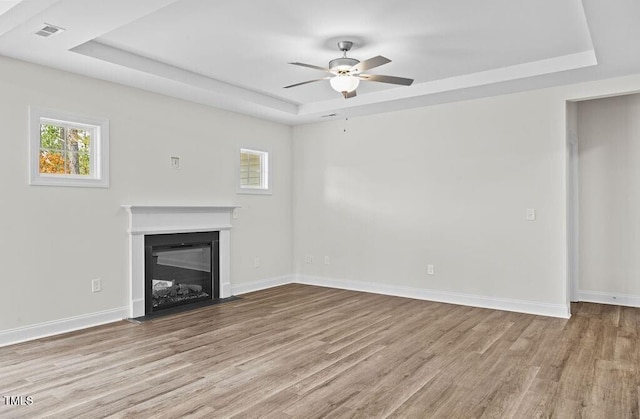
(304, 352)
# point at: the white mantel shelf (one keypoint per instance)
(179, 207)
(161, 219)
(167, 219)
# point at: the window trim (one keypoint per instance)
(265, 172)
(99, 149)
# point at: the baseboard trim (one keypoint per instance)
(520, 306)
(600, 297)
(261, 284)
(56, 327)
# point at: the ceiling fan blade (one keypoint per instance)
(315, 67)
(347, 95)
(305, 82)
(368, 64)
(386, 79)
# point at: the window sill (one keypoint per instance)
(68, 181)
(250, 191)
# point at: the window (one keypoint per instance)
(254, 172)
(67, 149)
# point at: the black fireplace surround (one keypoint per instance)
(181, 269)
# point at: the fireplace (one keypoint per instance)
(165, 226)
(181, 269)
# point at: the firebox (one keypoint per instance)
(181, 269)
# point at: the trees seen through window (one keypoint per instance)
(65, 150)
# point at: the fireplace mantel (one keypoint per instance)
(161, 219)
(167, 219)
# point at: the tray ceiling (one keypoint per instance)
(235, 55)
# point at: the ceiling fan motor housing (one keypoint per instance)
(342, 65)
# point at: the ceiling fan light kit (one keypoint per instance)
(347, 72)
(344, 83)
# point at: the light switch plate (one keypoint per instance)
(531, 214)
(96, 285)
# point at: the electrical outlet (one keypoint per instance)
(308, 259)
(430, 270)
(326, 260)
(256, 262)
(96, 285)
(235, 213)
(175, 162)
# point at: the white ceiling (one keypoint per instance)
(235, 55)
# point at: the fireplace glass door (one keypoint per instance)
(179, 270)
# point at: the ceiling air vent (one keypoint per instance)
(48, 30)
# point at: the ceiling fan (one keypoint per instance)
(346, 72)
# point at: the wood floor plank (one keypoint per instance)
(538, 400)
(387, 394)
(301, 351)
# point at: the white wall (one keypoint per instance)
(55, 240)
(446, 185)
(609, 198)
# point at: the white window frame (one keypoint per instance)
(99, 157)
(265, 173)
